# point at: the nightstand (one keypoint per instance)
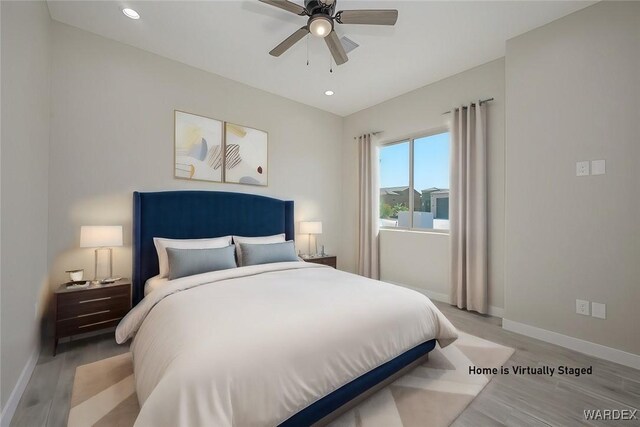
(90, 309)
(330, 260)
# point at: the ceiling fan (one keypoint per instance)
(321, 22)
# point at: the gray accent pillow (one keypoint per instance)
(254, 254)
(187, 262)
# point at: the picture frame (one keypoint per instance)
(207, 149)
(246, 155)
(198, 147)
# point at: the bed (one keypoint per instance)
(286, 343)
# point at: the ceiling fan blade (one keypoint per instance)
(368, 17)
(287, 5)
(337, 51)
(289, 41)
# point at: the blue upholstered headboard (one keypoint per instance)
(199, 214)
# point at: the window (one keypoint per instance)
(414, 183)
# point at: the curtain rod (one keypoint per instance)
(482, 101)
(372, 133)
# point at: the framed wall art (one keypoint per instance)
(207, 149)
(198, 147)
(246, 160)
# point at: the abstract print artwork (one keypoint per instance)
(198, 147)
(246, 155)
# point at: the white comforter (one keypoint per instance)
(255, 345)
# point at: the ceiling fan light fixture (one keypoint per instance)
(320, 25)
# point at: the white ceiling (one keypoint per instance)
(430, 41)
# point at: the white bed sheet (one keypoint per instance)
(255, 345)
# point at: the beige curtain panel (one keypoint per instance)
(468, 208)
(368, 209)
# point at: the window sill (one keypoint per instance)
(415, 230)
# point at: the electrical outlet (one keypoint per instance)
(599, 310)
(582, 307)
(582, 168)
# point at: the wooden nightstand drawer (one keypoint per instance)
(92, 305)
(329, 260)
(90, 322)
(96, 307)
(81, 297)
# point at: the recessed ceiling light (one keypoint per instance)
(328, 92)
(130, 13)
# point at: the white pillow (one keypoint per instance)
(162, 244)
(276, 238)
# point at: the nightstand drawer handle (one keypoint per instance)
(95, 299)
(93, 314)
(97, 323)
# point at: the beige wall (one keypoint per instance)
(24, 169)
(406, 257)
(573, 93)
(112, 133)
(416, 260)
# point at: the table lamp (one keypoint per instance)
(311, 228)
(103, 238)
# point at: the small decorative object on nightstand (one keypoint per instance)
(330, 260)
(75, 275)
(90, 308)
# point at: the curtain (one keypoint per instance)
(368, 207)
(468, 208)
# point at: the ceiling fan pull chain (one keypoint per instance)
(307, 50)
(330, 64)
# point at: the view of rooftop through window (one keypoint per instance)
(430, 183)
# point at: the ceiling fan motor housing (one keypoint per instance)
(318, 6)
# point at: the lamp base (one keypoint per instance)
(109, 280)
(315, 243)
(109, 264)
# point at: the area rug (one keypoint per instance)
(434, 393)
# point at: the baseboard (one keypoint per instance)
(592, 349)
(430, 294)
(14, 398)
(496, 311)
(493, 311)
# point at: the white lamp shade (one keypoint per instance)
(100, 236)
(310, 227)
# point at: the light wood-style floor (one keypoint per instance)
(511, 400)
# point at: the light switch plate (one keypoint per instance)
(598, 167)
(582, 307)
(582, 168)
(599, 310)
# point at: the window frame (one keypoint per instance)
(411, 140)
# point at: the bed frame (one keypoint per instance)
(201, 214)
(197, 215)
